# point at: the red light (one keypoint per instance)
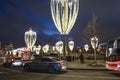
(114, 65)
(62, 63)
(12, 59)
(22, 59)
(116, 59)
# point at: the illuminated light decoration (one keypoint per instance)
(53, 48)
(45, 48)
(59, 47)
(71, 45)
(64, 14)
(86, 47)
(34, 48)
(38, 49)
(30, 39)
(94, 43)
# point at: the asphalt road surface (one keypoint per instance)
(18, 74)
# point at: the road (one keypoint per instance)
(16, 74)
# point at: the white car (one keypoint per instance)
(14, 62)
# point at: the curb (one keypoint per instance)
(101, 69)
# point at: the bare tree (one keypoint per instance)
(92, 29)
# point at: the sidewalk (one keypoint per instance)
(76, 65)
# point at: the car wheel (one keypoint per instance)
(26, 68)
(52, 69)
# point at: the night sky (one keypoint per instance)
(17, 16)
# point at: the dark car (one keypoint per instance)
(50, 64)
(14, 62)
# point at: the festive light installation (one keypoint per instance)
(37, 49)
(59, 46)
(64, 14)
(46, 48)
(86, 47)
(94, 43)
(71, 45)
(30, 39)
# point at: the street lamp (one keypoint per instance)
(30, 39)
(64, 14)
(94, 43)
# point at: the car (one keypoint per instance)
(14, 62)
(50, 64)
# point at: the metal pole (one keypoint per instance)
(95, 56)
(64, 46)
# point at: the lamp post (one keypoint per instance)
(64, 14)
(94, 43)
(30, 39)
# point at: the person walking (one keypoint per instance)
(81, 58)
(73, 58)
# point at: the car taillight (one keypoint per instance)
(113, 65)
(62, 63)
(12, 59)
(22, 59)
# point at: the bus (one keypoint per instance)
(113, 54)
